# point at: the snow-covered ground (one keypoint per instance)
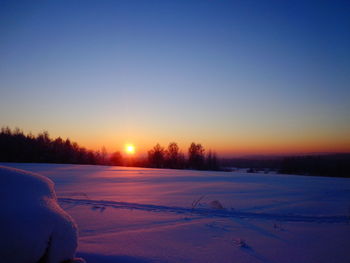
(158, 215)
(33, 227)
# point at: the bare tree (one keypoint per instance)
(156, 156)
(196, 156)
(116, 159)
(174, 158)
(211, 161)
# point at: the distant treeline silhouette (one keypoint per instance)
(332, 165)
(15, 146)
(173, 158)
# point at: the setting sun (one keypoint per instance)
(130, 149)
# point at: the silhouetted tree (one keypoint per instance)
(196, 156)
(116, 159)
(211, 161)
(173, 157)
(103, 156)
(156, 156)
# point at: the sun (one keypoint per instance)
(130, 149)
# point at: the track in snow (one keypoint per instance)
(206, 211)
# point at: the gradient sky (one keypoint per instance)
(240, 77)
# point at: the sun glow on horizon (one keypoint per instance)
(130, 149)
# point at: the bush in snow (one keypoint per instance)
(33, 227)
(216, 205)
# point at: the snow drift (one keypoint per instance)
(33, 227)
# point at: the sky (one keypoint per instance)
(239, 77)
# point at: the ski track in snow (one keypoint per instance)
(206, 212)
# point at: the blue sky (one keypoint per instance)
(237, 76)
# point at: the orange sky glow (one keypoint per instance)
(224, 146)
(238, 81)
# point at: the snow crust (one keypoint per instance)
(159, 215)
(33, 226)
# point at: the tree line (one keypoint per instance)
(15, 146)
(173, 158)
(331, 165)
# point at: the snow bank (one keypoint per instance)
(33, 226)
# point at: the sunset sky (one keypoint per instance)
(240, 77)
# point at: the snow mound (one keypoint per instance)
(33, 227)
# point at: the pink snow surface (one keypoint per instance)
(159, 215)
